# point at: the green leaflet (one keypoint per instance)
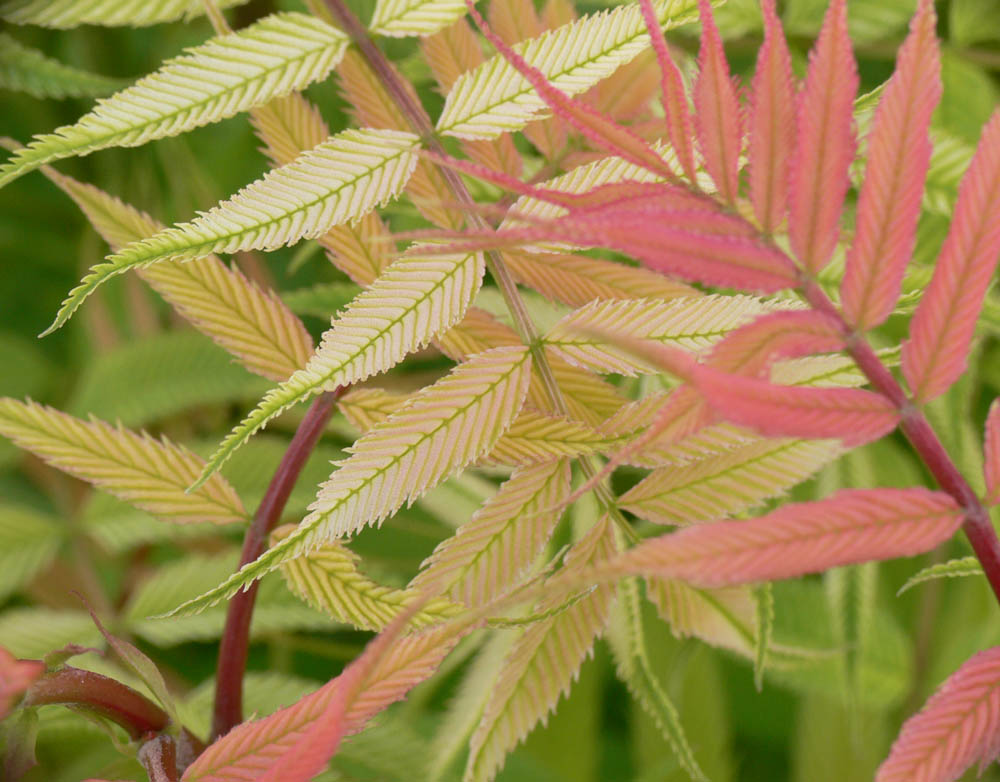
(414, 300)
(222, 77)
(28, 543)
(494, 98)
(137, 13)
(446, 426)
(954, 568)
(401, 18)
(24, 69)
(339, 180)
(626, 636)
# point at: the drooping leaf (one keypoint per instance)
(339, 180)
(445, 427)
(136, 13)
(220, 78)
(495, 98)
(855, 525)
(150, 474)
(717, 109)
(24, 69)
(487, 554)
(237, 314)
(965, 566)
(899, 151)
(723, 617)
(727, 483)
(329, 579)
(824, 143)
(956, 728)
(942, 327)
(400, 18)
(414, 300)
(991, 448)
(689, 323)
(627, 638)
(772, 124)
(542, 663)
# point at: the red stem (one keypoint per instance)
(236, 635)
(69, 686)
(925, 442)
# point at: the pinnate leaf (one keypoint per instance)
(724, 616)
(339, 180)
(854, 525)
(965, 566)
(220, 78)
(956, 728)
(446, 426)
(414, 300)
(28, 70)
(150, 474)
(772, 123)
(899, 151)
(942, 327)
(717, 109)
(824, 142)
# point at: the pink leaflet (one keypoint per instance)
(597, 127)
(717, 110)
(751, 349)
(673, 98)
(824, 143)
(849, 414)
(854, 525)
(942, 327)
(991, 462)
(16, 676)
(899, 152)
(958, 726)
(258, 747)
(772, 124)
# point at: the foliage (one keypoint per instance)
(593, 271)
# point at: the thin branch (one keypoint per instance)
(924, 439)
(235, 642)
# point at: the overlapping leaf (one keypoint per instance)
(726, 483)
(339, 180)
(220, 78)
(957, 727)
(329, 579)
(413, 301)
(855, 525)
(486, 555)
(538, 437)
(991, 465)
(252, 324)
(150, 474)
(543, 663)
(495, 98)
(136, 13)
(445, 427)
(723, 617)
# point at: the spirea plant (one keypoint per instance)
(658, 299)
